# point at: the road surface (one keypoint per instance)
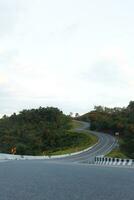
(105, 144)
(45, 180)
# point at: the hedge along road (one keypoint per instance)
(104, 145)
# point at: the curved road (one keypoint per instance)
(105, 144)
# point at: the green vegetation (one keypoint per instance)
(35, 131)
(116, 153)
(113, 120)
(43, 131)
(76, 124)
(77, 141)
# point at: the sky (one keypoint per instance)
(71, 54)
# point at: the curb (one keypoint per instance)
(26, 157)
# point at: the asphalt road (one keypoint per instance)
(44, 180)
(105, 144)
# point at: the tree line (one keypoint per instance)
(114, 120)
(34, 131)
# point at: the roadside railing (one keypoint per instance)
(101, 160)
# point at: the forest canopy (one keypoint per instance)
(34, 131)
(113, 120)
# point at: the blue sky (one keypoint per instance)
(70, 54)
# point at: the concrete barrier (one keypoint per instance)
(26, 157)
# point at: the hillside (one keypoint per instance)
(33, 131)
(43, 131)
(114, 120)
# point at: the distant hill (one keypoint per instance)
(113, 120)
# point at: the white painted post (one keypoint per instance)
(111, 161)
(115, 161)
(101, 160)
(119, 162)
(124, 162)
(130, 162)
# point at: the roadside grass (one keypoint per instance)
(116, 153)
(76, 124)
(85, 142)
(77, 141)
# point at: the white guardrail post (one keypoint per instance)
(101, 160)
